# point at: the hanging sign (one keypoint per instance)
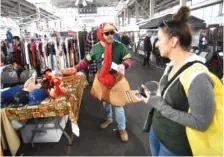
(68, 34)
(90, 9)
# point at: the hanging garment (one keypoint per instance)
(23, 53)
(45, 54)
(61, 58)
(64, 61)
(75, 51)
(51, 54)
(82, 40)
(30, 55)
(41, 53)
(17, 54)
(38, 62)
(71, 53)
(26, 48)
(68, 53)
(91, 40)
(34, 54)
(65, 54)
(9, 36)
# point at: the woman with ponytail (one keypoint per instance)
(187, 110)
(109, 86)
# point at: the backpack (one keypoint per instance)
(25, 75)
(9, 77)
(209, 142)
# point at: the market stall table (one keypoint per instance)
(47, 109)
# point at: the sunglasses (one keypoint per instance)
(108, 33)
(165, 23)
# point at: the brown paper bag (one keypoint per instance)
(117, 95)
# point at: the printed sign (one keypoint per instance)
(90, 9)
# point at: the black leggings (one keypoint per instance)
(160, 61)
(146, 59)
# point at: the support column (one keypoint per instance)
(136, 11)
(37, 25)
(151, 8)
(120, 20)
(117, 21)
(60, 25)
(47, 25)
(123, 19)
(128, 16)
(182, 2)
(38, 17)
(19, 9)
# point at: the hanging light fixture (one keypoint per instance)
(84, 3)
(77, 2)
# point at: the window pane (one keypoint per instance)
(222, 8)
(198, 13)
(208, 12)
(215, 10)
(197, 1)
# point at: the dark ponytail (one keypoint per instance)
(179, 27)
(182, 15)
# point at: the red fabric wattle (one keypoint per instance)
(104, 76)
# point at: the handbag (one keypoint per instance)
(148, 121)
(116, 95)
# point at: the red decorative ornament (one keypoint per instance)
(48, 75)
(57, 83)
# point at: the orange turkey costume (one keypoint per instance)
(108, 87)
(112, 88)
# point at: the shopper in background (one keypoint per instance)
(4, 48)
(117, 37)
(17, 56)
(125, 40)
(176, 109)
(159, 60)
(147, 49)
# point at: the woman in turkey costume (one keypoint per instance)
(112, 58)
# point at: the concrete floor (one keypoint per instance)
(92, 140)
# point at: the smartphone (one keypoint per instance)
(141, 91)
